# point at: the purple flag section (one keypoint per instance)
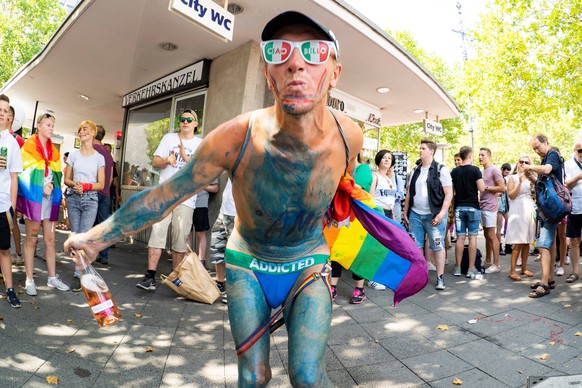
(395, 238)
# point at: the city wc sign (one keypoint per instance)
(207, 14)
(433, 127)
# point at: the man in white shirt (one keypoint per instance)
(427, 204)
(573, 169)
(10, 166)
(173, 152)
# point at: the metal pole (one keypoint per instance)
(33, 129)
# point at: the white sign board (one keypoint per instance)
(178, 80)
(207, 14)
(355, 108)
(370, 144)
(433, 127)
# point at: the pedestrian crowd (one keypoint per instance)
(441, 207)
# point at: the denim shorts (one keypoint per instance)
(547, 234)
(419, 225)
(467, 219)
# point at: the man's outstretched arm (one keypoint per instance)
(214, 156)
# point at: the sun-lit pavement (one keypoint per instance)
(486, 333)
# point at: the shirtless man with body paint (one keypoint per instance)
(286, 162)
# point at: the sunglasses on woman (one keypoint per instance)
(186, 119)
(279, 51)
(523, 162)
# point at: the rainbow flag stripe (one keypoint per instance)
(31, 182)
(374, 246)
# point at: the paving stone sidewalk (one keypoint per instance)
(487, 333)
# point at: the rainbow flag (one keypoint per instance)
(31, 181)
(371, 245)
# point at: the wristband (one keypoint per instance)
(87, 187)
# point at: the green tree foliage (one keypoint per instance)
(154, 133)
(25, 27)
(526, 76)
(406, 138)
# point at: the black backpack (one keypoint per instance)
(553, 199)
(465, 261)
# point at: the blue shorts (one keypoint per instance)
(276, 278)
(467, 220)
(419, 225)
(547, 234)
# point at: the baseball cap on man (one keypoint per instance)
(293, 17)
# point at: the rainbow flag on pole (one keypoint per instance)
(371, 245)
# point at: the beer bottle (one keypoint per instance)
(98, 295)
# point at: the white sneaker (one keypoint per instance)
(17, 259)
(567, 261)
(431, 267)
(493, 269)
(30, 287)
(376, 286)
(559, 271)
(57, 283)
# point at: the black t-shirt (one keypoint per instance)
(465, 185)
(553, 159)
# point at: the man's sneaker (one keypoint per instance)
(17, 259)
(501, 250)
(225, 299)
(376, 286)
(560, 271)
(148, 283)
(440, 283)
(333, 293)
(57, 283)
(30, 287)
(474, 274)
(457, 271)
(102, 260)
(493, 269)
(567, 260)
(358, 296)
(431, 267)
(12, 299)
(76, 284)
(220, 286)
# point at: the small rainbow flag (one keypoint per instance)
(371, 245)
(31, 181)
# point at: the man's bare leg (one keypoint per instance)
(308, 324)
(247, 310)
(153, 258)
(492, 245)
(472, 251)
(177, 258)
(459, 248)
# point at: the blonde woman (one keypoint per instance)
(521, 224)
(39, 199)
(85, 175)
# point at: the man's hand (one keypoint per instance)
(77, 245)
(171, 159)
(437, 220)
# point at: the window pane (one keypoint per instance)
(145, 130)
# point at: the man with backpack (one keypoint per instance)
(551, 164)
(467, 183)
(426, 207)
